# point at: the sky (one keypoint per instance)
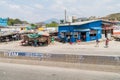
(41, 10)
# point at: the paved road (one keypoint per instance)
(28, 72)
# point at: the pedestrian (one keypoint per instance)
(35, 42)
(97, 43)
(106, 42)
(14, 37)
(7, 40)
(67, 38)
(52, 40)
(17, 36)
(78, 41)
(84, 37)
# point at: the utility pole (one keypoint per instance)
(65, 15)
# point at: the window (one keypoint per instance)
(93, 33)
(62, 34)
(75, 34)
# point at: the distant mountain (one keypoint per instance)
(48, 22)
(51, 20)
(115, 16)
(40, 23)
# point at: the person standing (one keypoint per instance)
(97, 43)
(35, 42)
(106, 42)
(7, 40)
(84, 37)
(52, 40)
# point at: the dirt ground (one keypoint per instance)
(60, 48)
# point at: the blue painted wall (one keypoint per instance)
(71, 28)
(3, 22)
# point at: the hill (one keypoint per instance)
(115, 16)
(12, 22)
(51, 20)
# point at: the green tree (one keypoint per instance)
(52, 24)
(11, 21)
(18, 21)
(33, 26)
(61, 21)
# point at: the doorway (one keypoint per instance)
(83, 36)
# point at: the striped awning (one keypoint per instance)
(82, 30)
(64, 31)
(96, 28)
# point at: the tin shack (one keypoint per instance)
(84, 31)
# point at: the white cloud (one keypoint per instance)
(14, 6)
(39, 6)
(43, 9)
(2, 2)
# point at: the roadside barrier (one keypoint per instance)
(71, 58)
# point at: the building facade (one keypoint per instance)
(3, 22)
(83, 31)
(116, 30)
(107, 29)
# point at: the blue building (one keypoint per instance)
(3, 22)
(83, 31)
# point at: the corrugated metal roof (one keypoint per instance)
(79, 23)
(2, 27)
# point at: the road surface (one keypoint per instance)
(10, 71)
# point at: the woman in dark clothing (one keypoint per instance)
(106, 42)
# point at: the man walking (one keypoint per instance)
(106, 43)
(97, 43)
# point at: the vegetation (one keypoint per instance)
(33, 26)
(115, 16)
(61, 21)
(11, 21)
(52, 24)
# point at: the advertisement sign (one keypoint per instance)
(25, 54)
(116, 29)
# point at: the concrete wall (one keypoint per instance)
(88, 59)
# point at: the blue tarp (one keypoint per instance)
(33, 35)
